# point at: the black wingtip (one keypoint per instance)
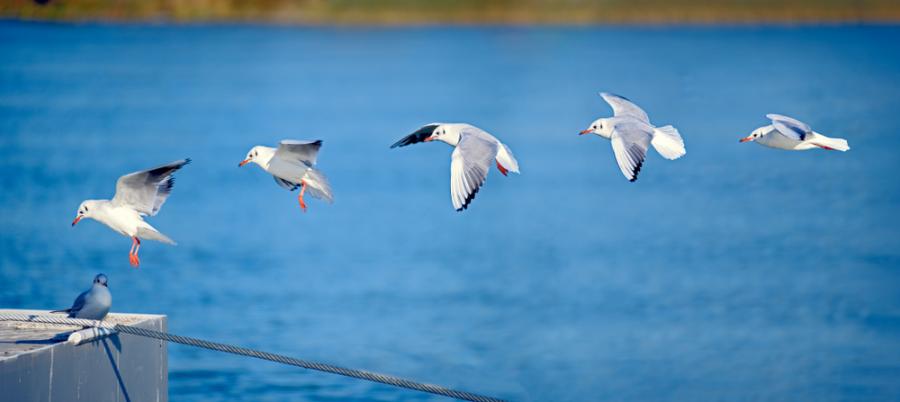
(469, 199)
(615, 95)
(637, 170)
(416, 137)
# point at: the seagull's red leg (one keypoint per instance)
(300, 197)
(501, 168)
(131, 252)
(133, 255)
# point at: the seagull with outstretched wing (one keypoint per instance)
(474, 152)
(292, 165)
(791, 134)
(631, 134)
(138, 194)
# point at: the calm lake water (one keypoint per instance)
(736, 273)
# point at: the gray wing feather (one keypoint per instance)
(146, 191)
(299, 150)
(621, 106)
(469, 167)
(630, 143)
(790, 127)
(78, 304)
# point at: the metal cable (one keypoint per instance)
(221, 347)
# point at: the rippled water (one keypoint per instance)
(735, 273)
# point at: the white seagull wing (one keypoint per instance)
(629, 143)
(147, 190)
(469, 166)
(622, 106)
(299, 150)
(790, 127)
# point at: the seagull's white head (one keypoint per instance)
(759, 132)
(86, 210)
(448, 133)
(259, 155)
(601, 127)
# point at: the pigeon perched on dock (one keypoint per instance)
(474, 152)
(793, 135)
(292, 165)
(92, 304)
(137, 194)
(631, 134)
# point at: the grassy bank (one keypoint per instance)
(424, 12)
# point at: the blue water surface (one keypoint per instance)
(735, 273)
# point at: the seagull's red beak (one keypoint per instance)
(76, 220)
(244, 162)
(745, 139)
(429, 139)
(583, 132)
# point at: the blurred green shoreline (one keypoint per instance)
(460, 12)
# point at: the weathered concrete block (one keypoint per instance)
(37, 364)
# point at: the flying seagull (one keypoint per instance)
(92, 304)
(793, 135)
(631, 134)
(292, 165)
(475, 151)
(137, 194)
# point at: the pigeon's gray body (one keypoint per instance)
(92, 304)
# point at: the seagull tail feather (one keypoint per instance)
(153, 234)
(667, 141)
(318, 186)
(837, 144)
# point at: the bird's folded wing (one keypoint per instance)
(630, 145)
(147, 190)
(471, 161)
(621, 106)
(417, 136)
(79, 303)
(790, 127)
(299, 150)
